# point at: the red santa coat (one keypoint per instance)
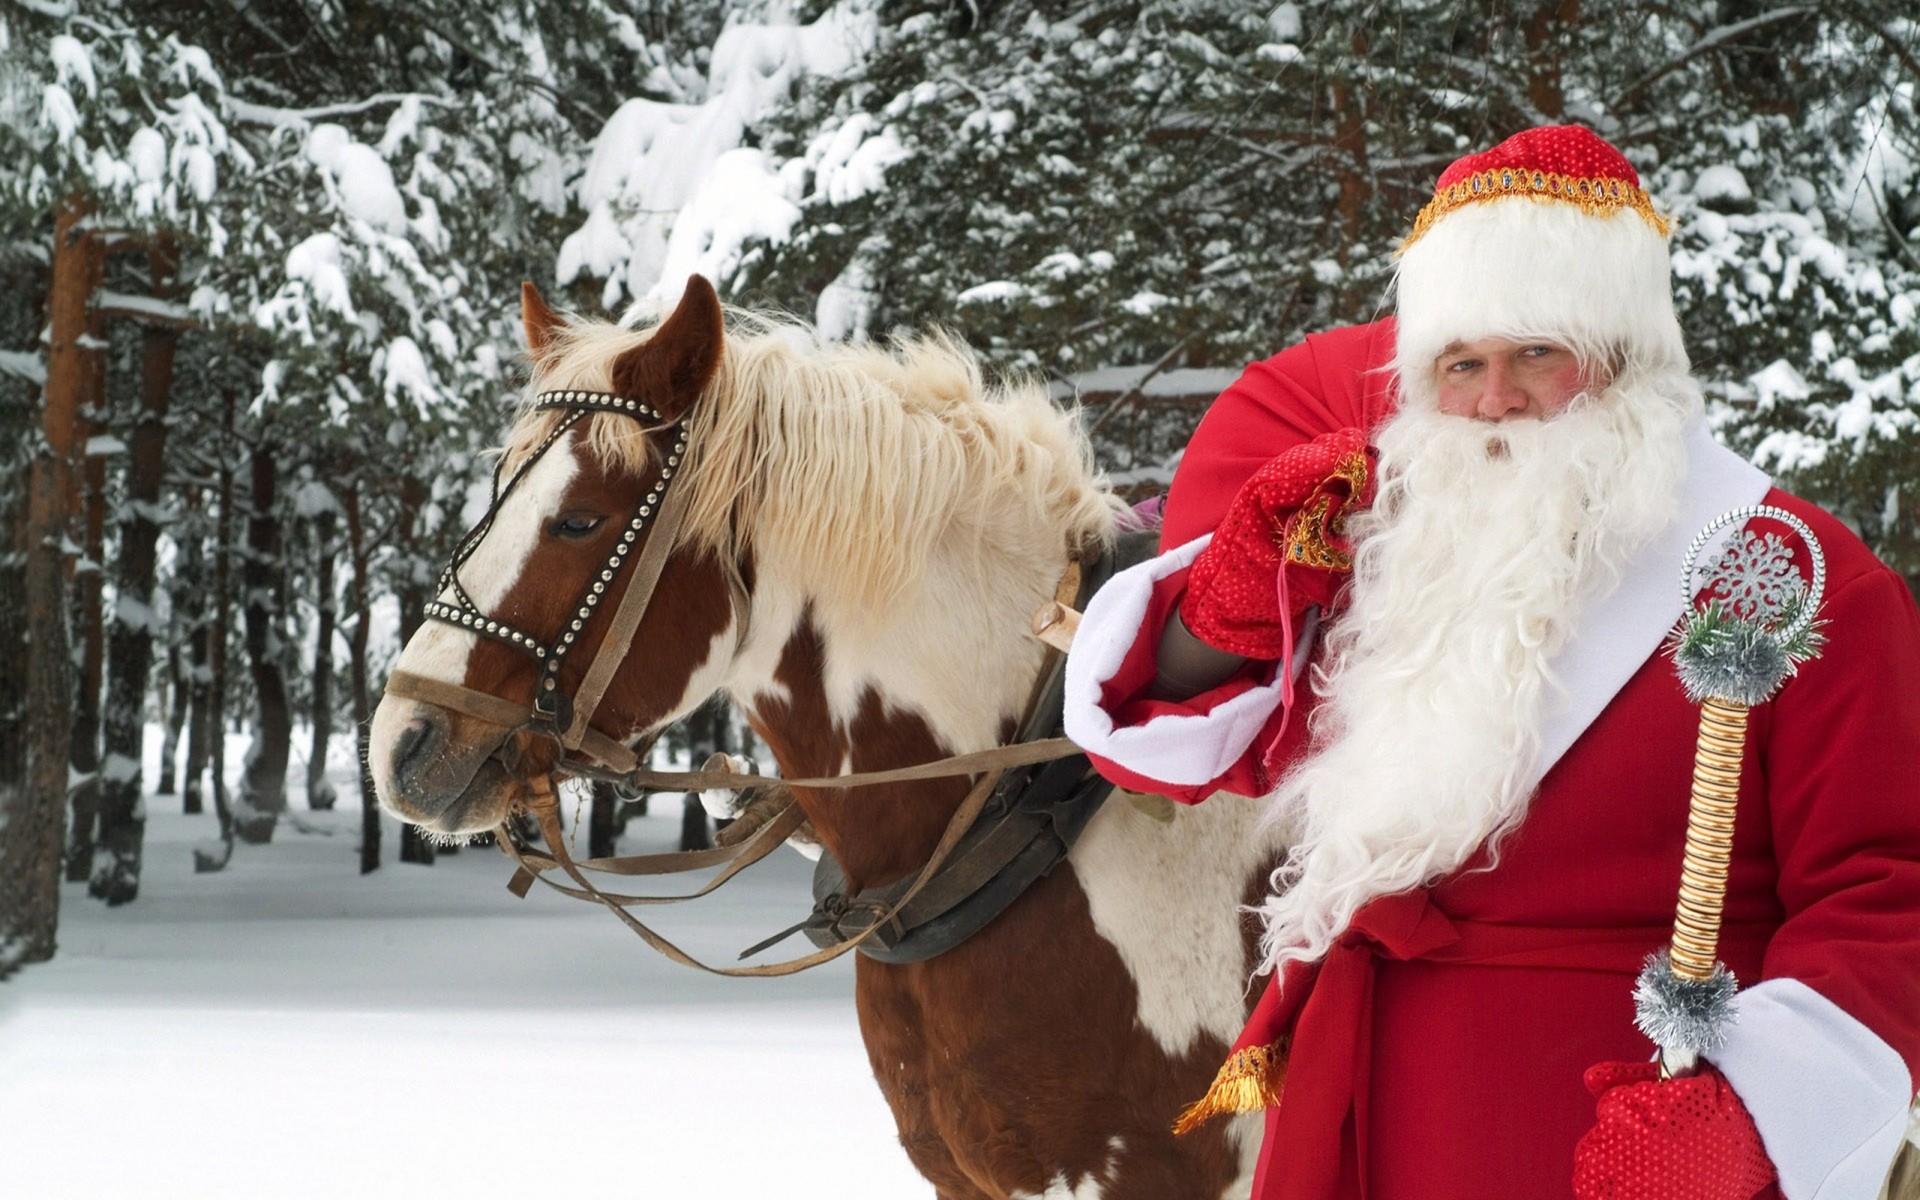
(1438, 1050)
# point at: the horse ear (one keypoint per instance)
(540, 322)
(670, 369)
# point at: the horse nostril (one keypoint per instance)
(413, 746)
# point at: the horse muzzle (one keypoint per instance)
(429, 770)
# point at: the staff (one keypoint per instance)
(1754, 626)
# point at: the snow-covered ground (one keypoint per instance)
(288, 1028)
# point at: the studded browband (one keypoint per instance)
(554, 711)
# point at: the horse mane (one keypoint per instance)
(856, 460)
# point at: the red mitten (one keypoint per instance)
(1290, 516)
(1678, 1139)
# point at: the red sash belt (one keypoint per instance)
(1328, 1007)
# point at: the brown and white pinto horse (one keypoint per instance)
(891, 525)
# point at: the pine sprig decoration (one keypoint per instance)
(1717, 654)
(1757, 623)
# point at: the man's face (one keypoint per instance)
(1494, 379)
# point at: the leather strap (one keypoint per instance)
(438, 692)
(545, 808)
(626, 619)
(506, 714)
(736, 859)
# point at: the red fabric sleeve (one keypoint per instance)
(1841, 759)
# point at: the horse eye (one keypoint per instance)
(575, 525)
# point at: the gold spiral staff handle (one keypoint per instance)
(1756, 624)
(1709, 852)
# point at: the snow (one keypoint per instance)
(145, 306)
(317, 262)
(147, 154)
(741, 199)
(852, 161)
(658, 167)
(72, 62)
(312, 498)
(1179, 381)
(23, 364)
(845, 306)
(405, 370)
(1723, 184)
(987, 293)
(136, 615)
(58, 113)
(289, 1028)
(359, 176)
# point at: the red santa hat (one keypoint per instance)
(1546, 236)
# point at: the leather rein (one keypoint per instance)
(565, 717)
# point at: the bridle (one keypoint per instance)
(565, 716)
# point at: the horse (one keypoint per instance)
(867, 530)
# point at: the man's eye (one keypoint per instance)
(1462, 365)
(575, 525)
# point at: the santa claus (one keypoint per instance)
(1416, 579)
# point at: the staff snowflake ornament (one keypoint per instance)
(1754, 624)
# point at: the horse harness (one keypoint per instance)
(1009, 830)
(564, 717)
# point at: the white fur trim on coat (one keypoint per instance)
(1185, 751)
(1828, 1096)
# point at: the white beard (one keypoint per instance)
(1484, 545)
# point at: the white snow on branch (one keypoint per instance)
(146, 306)
(657, 166)
(359, 177)
(23, 365)
(71, 62)
(404, 372)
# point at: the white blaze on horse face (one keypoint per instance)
(440, 651)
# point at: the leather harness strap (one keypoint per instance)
(626, 619)
(545, 808)
(506, 714)
(736, 859)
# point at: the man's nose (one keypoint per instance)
(1502, 395)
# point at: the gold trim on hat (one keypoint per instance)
(1593, 195)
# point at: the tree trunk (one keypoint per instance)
(177, 707)
(213, 857)
(357, 554)
(1546, 32)
(31, 815)
(1350, 146)
(263, 787)
(122, 819)
(84, 746)
(320, 791)
(600, 820)
(199, 699)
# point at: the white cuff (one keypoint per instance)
(1828, 1095)
(1185, 751)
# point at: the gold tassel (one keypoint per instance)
(1251, 1079)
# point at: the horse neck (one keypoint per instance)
(846, 691)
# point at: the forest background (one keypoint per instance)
(262, 264)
